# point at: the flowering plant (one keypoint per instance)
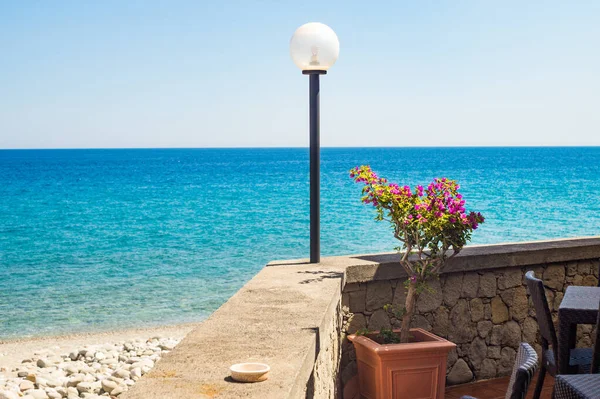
(431, 223)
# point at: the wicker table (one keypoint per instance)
(579, 386)
(579, 306)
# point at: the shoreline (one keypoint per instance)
(13, 351)
(79, 334)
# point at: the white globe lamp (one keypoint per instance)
(314, 49)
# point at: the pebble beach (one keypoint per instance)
(88, 366)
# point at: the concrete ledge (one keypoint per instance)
(276, 318)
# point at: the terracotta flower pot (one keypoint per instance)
(415, 370)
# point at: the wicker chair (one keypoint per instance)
(596, 356)
(580, 357)
(525, 365)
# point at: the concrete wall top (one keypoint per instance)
(385, 266)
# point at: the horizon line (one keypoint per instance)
(295, 147)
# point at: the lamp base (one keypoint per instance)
(314, 72)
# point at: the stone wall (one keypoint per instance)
(325, 381)
(486, 312)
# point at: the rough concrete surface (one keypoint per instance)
(275, 319)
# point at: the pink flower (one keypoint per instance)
(396, 203)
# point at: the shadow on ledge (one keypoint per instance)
(320, 275)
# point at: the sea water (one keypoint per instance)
(103, 239)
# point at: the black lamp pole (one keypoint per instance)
(315, 174)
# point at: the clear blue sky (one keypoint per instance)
(219, 74)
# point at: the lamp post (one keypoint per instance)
(314, 49)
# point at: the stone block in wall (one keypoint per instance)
(441, 322)
(558, 297)
(452, 288)
(476, 310)
(461, 327)
(477, 352)
(496, 335)
(487, 370)
(487, 311)
(460, 373)
(554, 277)
(379, 293)
(585, 342)
(584, 328)
(419, 321)
(358, 322)
(577, 280)
(584, 336)
(499, 310)
(487, 285)
(584, 267)
(378, 320)
(357, 300)
(493, 352)
(589, 281)
(507, 361)
(431, 299)
(452, 358)
(470, 285)
(550, 298)
(484, 327)
(511, 334)
(571, 269)
(509, 278)
(530, 330)
(517, 302)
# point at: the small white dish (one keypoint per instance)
(250, 372)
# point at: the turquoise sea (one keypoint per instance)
(102, 239)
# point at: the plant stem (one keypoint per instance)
(411, 299)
